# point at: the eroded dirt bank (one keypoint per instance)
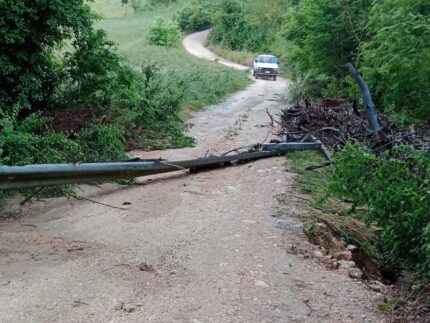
(207, 247)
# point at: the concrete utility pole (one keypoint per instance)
(367, 99)
(19, 177)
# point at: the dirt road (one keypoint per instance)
(208, 247)
(194, 44)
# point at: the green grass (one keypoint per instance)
(310, 181)
(204, 82)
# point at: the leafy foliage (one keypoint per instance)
(99, 142)
(195, 17)
(387, 40)
(396, 191)
(94, 74)
(396, 56)
(29, 142)
(322, 36)
(243, 25)
(230, 27)
(164, 33)
(30, 31)
(137, 5)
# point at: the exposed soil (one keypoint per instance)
(70, 120)
(217, 246)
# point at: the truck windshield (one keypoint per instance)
(266, 59)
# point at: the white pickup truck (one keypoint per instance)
(265, 65)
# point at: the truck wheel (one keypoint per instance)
(274, 77)
(256, 75)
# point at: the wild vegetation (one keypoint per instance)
(70, 93)
(388, 42)
(395, 189)
(202, 83)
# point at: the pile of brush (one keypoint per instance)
(335, 122)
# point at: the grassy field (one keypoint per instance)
(204, 82)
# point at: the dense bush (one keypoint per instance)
(102, 143)
(396, 57)
(230, 27)
(252, 26)
(137, 5)
(94, 75)
(164, 33)
(29, 33)
(396, 190)
(162, 2)
(89, 74)
(321, 36)
(387, 40)
(195, 17)
(157, 112)
(38, 80)
(29, 142)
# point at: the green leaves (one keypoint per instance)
(395, 191)
(30, 30)
(195, 17)
(396, 56)
(164, 33)
(322, 36)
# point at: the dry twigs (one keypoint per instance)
(335, 123)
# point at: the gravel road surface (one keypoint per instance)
(215, 246)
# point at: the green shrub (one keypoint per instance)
(161, 2)
(248, 25)
(30, 142)
(30, 32)
(137, 5)
(162, 122)
(396, 190)
(164, 33)
(320, 37)
(396, 56)
(102, 143)
(94, 75)
(230, 27)
(194, 17)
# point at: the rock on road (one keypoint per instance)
(205, 247)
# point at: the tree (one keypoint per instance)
(30, 32)
(230, 27)
(323, 35)
(164, 33)
(396, 58)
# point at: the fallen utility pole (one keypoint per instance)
(30, 176)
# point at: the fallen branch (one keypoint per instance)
(79, 198)
(272, 119)
(314, 167)
(31, 196)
